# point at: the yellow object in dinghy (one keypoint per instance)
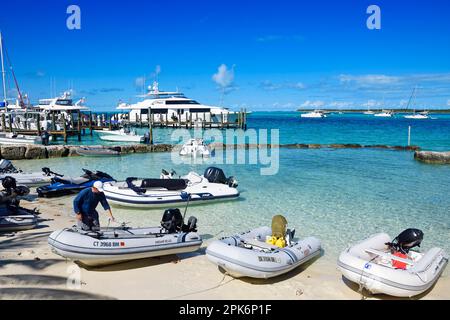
(279, 224)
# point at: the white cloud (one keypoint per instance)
(448, 102)
(368, 79)
(372, 103)
(312, 104)
(340, 104)
(224, 76)
(270, 86)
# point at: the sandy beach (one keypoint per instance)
(29, 270)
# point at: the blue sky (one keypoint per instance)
(279, 55)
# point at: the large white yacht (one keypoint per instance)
(168, 106)
(314, 114)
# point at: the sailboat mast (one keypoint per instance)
(3, 71)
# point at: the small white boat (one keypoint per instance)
(313, 114)
(123, 138)
(384, 114)
(114, 245)
(368, 112)
(18, 139)
(371, 264)
(165, 192)
(31, 179)
(248, 255)
(17, 222)
(194, 148)
(418, 116)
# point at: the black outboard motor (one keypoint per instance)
(406, 240)
(172, 220)
(216, 175)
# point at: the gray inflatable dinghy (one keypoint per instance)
(18, 222)
(114, 245)
(97, 152)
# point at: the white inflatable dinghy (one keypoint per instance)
(248, 255)
(30, 179)
(113, 245)
(166, 192)
(371, 264)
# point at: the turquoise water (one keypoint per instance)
(430, 134)
(340, 196)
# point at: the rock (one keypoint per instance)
(141, 148)
(73, 151)
(13, 152)
(35, 152)
(126, 149)
(162, 148)
(57, 151)
(314, 146)
(433, 157)
(345, 146)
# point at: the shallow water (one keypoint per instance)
(340, 196)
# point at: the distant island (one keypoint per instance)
(442, 111)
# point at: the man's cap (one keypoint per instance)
(98, 185)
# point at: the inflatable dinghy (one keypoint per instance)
(372, 264)
(114, 245)
(248, 255)
(17, 222)
(30, 179)
(168, 191)
(97, 152)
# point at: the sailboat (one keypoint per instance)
(418, 116)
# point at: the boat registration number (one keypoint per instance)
(108, 244)
(268, 259)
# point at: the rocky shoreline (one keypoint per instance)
(432, 157)
(22, 152)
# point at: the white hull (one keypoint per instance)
(122, 138)
(29, 179)
(377, 275)
(417, 116)
(312, 115)
(200, 189)
(261, 262)
(129, 244)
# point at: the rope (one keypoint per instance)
(220, 284)
(361, 287)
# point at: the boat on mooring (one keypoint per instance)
(194, 148)
(392, 268)
(314, 114)
(97, 152)
(212, 186)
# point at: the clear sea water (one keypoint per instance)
(430, 134)
(340, 196)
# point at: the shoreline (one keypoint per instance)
(31, 152)
(29, 270)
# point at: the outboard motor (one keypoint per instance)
(407, 240)
(216, 175)
(191, 226)
(172, 220)
(7, 167)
